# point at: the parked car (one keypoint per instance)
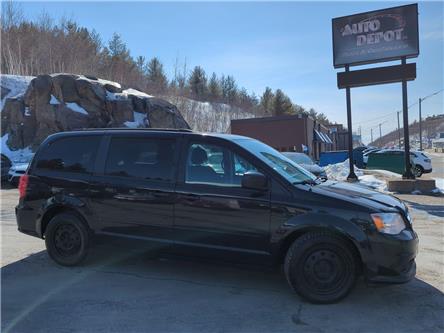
(6, 164)
(158, 186)
(307, 163)
(18, 169)
(421, 163)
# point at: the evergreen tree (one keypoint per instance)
(117, 47)
(157, 80)
(140, 64)
(266, 104)
(198, 83)
(282, 104)
(214, 89)
(229, 89)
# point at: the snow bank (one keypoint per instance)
(16, 84)
(16, 156)
(341, 170)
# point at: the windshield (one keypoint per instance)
(299, 158)
(283, 165)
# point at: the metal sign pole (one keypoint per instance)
(405, 114)
(351, 176)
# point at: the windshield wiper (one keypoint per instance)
(306, 182)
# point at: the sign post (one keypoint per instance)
(371, 37)
(351, 175)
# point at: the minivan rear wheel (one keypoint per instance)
(67, 239)
(321, 267)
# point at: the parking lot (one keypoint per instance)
(125, 289)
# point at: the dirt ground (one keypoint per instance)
(123, 288)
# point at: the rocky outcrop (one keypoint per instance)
(63, 102)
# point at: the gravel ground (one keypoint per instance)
(126, 289)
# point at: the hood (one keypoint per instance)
(358, 194)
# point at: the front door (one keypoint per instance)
(134, 194)
(213, 213)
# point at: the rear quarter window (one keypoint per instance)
(70, 154)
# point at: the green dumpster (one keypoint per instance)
(390, 162)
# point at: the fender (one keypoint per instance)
(353, 229)
(60, 201)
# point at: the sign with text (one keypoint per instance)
(376, 36)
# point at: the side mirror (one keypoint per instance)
(255, 181)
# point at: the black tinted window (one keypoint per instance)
(146, 158)
(74, 154)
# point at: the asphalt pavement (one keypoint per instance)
(128, 288)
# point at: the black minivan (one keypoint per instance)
(216, 195)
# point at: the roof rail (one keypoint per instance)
(135, 129)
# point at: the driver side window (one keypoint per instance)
(215, 165)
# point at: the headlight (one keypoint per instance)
(388, 223)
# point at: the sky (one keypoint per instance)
(286, 45)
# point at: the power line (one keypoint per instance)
(393, 113)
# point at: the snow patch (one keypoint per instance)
(76, 108)
(373, 182)
(140, 120)
(340, 171)
(124, 94)
(54, 100)
(137, 93)
(439, 185)
(16, 156)
(17, 85)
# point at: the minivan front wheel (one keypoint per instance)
(67, 239)
(320, 267)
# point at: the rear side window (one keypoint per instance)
(71, 154)
(146, 158)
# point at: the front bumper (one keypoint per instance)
(393, 257)
(428, 170)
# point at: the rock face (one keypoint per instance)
(63, 102)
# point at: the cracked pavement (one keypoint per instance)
(126, 288)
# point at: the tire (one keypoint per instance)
(418, 170)
(321, 267)
(67, 239)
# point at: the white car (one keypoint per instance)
(16, 171)
(421, 163)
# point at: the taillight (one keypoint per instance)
(23, 184)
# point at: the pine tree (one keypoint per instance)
(266, 104)
(157, 80)
(229, 89)
(282, 104)
(140, 64)
(214, 89)
(198, 83)
(117, 47)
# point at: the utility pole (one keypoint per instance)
(371, 134)
(380, 131)
(420, 125)
(399, 130)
